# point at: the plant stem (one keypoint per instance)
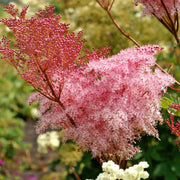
(119, 28)
(75, 174)
(55, 98)
(178, 83)
(132, 39)
(172, 24)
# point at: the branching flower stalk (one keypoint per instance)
(54, 97)
(166, 12)
(107, 6)
(171, 21)
(42, 52)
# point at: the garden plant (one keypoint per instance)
(104, 103)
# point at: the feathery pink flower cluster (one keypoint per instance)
(46, 52)
(115, 101)
(112, 102)
(104, 104)
(160, 8)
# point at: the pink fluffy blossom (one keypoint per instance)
(160, 7)
(104, 105)
(112, 102)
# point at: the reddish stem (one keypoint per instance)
(175, 89)
(55, 98)
(128, 36)
(166, 73)
(119, 28)
(75, 174)
(174, 31)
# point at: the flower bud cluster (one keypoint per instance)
(113, 172)
(160, 8)
(49, 140)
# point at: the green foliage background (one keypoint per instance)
(163, 156)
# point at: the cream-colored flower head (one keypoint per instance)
(113, 172)
(48, 140)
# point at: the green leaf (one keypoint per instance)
(53, 164)
(23, 144)
(175, 167)
(11, 151)
(160, 169)
(175, 99)
(157, 153)
(165, 102)
(169, 175)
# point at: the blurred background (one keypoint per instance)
(23, 156)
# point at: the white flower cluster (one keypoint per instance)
(49, 140)
(35, 113)
(113, 172)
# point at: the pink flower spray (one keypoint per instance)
(103, 104)
(166, 12)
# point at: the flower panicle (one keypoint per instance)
(166, 12)
(45, 52)
(174, 126)
(106, 4)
